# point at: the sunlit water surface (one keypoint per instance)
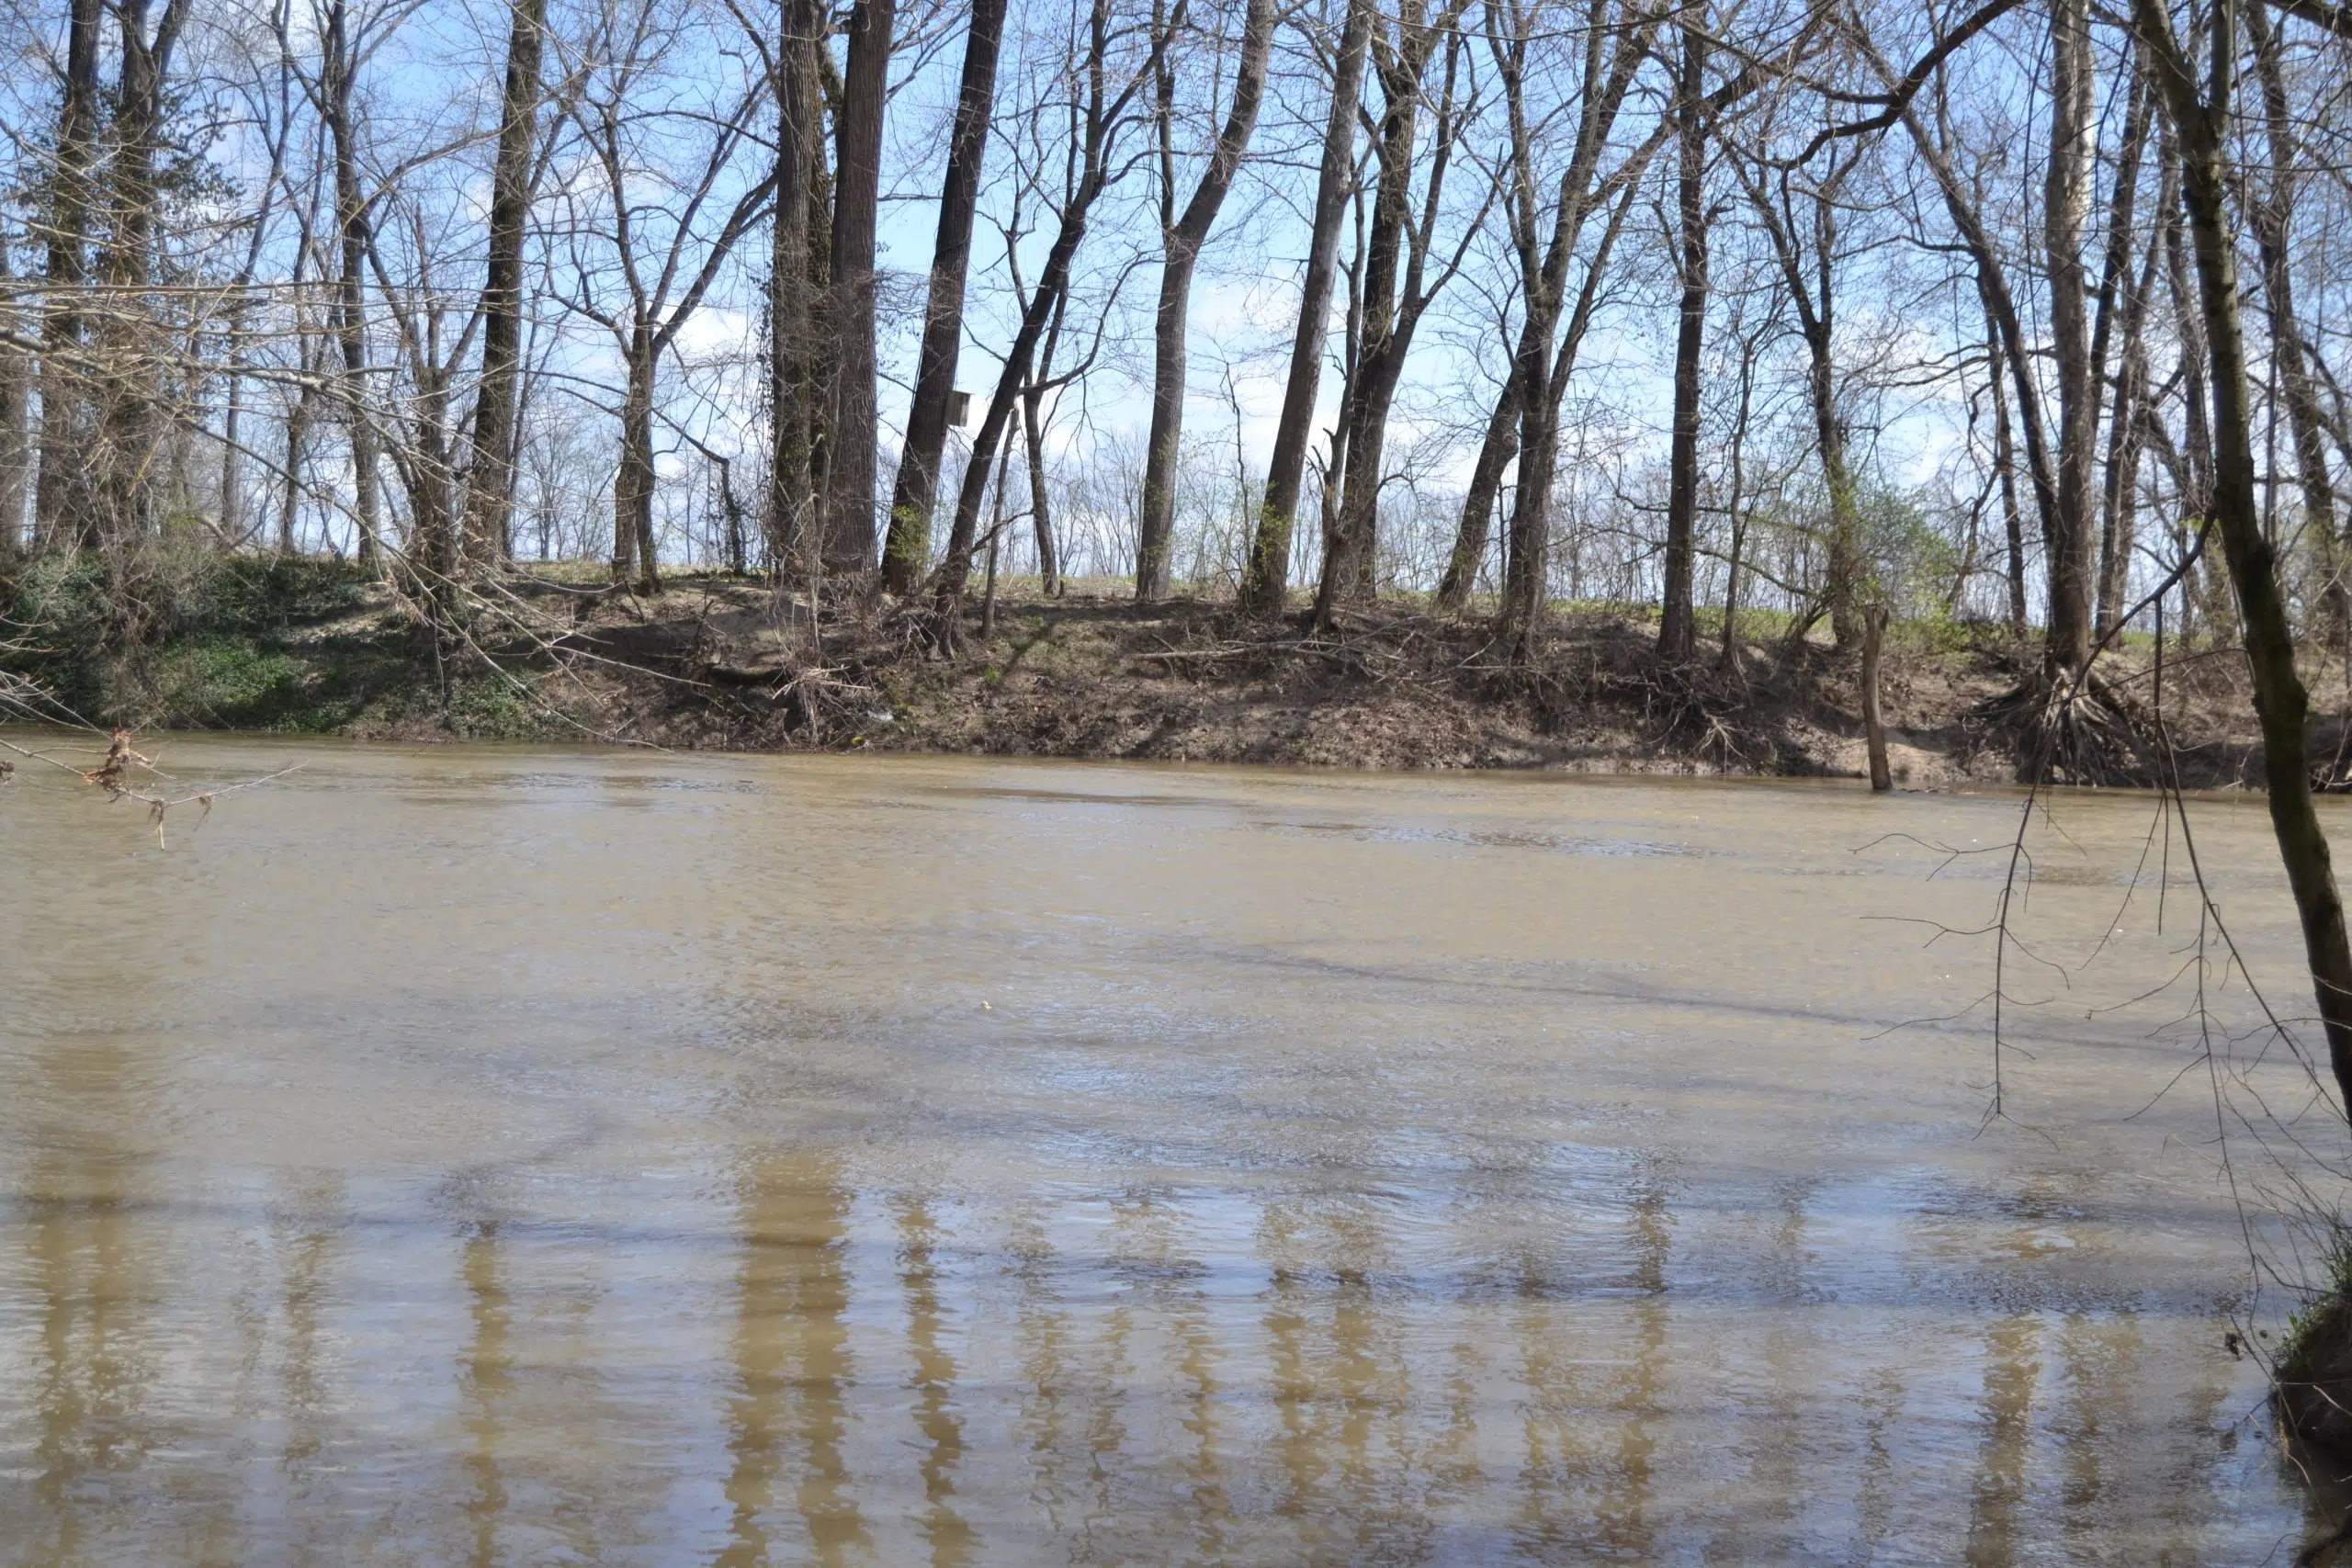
(473, 1154)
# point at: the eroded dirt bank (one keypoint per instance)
(718, 662)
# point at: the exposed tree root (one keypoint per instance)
(728, 661)
(2071, 731)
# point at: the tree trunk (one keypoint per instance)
(2272, 213)
(351, 321)
(1814, 300)
(633, 481)
(955, 570)
(1677, 628)
(1527, 559)
(1348, 544)
(1391, 302)
(2204, 602)
(819, 369)
(1613, 55)
(1103, 113)
(298, 438)
(2126, 431)
(1266, 584)
(1873, 725)
(60, 503)
(996, 547)
(1040, 518)
(2005, 469)
(1735, 503)
(2280, 700)
(1495, 453)
(857, 130)
(916, 490)
(1845, 565)
(2119, 302)
(734, 543)
(233, 482)
(2119, 500)
(791, 456)
(1181, 244)
(2001, 313)
(1506, 427)
(1032, 420)
(1829, 439)
(424, 461)
(490, 488)
(2066, 194)
(239, 324)
(16, 451)
(131, 432)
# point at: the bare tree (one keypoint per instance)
(798, 272)
(489, 474)
(1802, 219)
(1397, 286)
(333, 95)
(857, 192)
(2200, 105)
(907, 550)
(2066, 208)
(1181, 237)
(1615, 38)
(16, 447)
(1266, 583)
(2123, 303)
(62, 504)
(1677, 624)
(273, 111)
(2271, 213)
(1104, 112)
(654, 215)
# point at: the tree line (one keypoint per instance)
(1803, 303)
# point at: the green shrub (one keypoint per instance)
(2318, 1331)
(178, 633)
(227, 680)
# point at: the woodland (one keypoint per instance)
(1754, 316)
(1729, 325)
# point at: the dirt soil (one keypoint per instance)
(721, 663)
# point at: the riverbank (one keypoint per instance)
(714, 663)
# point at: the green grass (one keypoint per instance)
(232, 681)
(2318, 1331)
(186, 636)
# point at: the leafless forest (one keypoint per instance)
(1975, 312)
(2020, 317)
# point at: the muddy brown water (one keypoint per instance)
(498, 1156)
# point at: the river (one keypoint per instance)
(517, 1156)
